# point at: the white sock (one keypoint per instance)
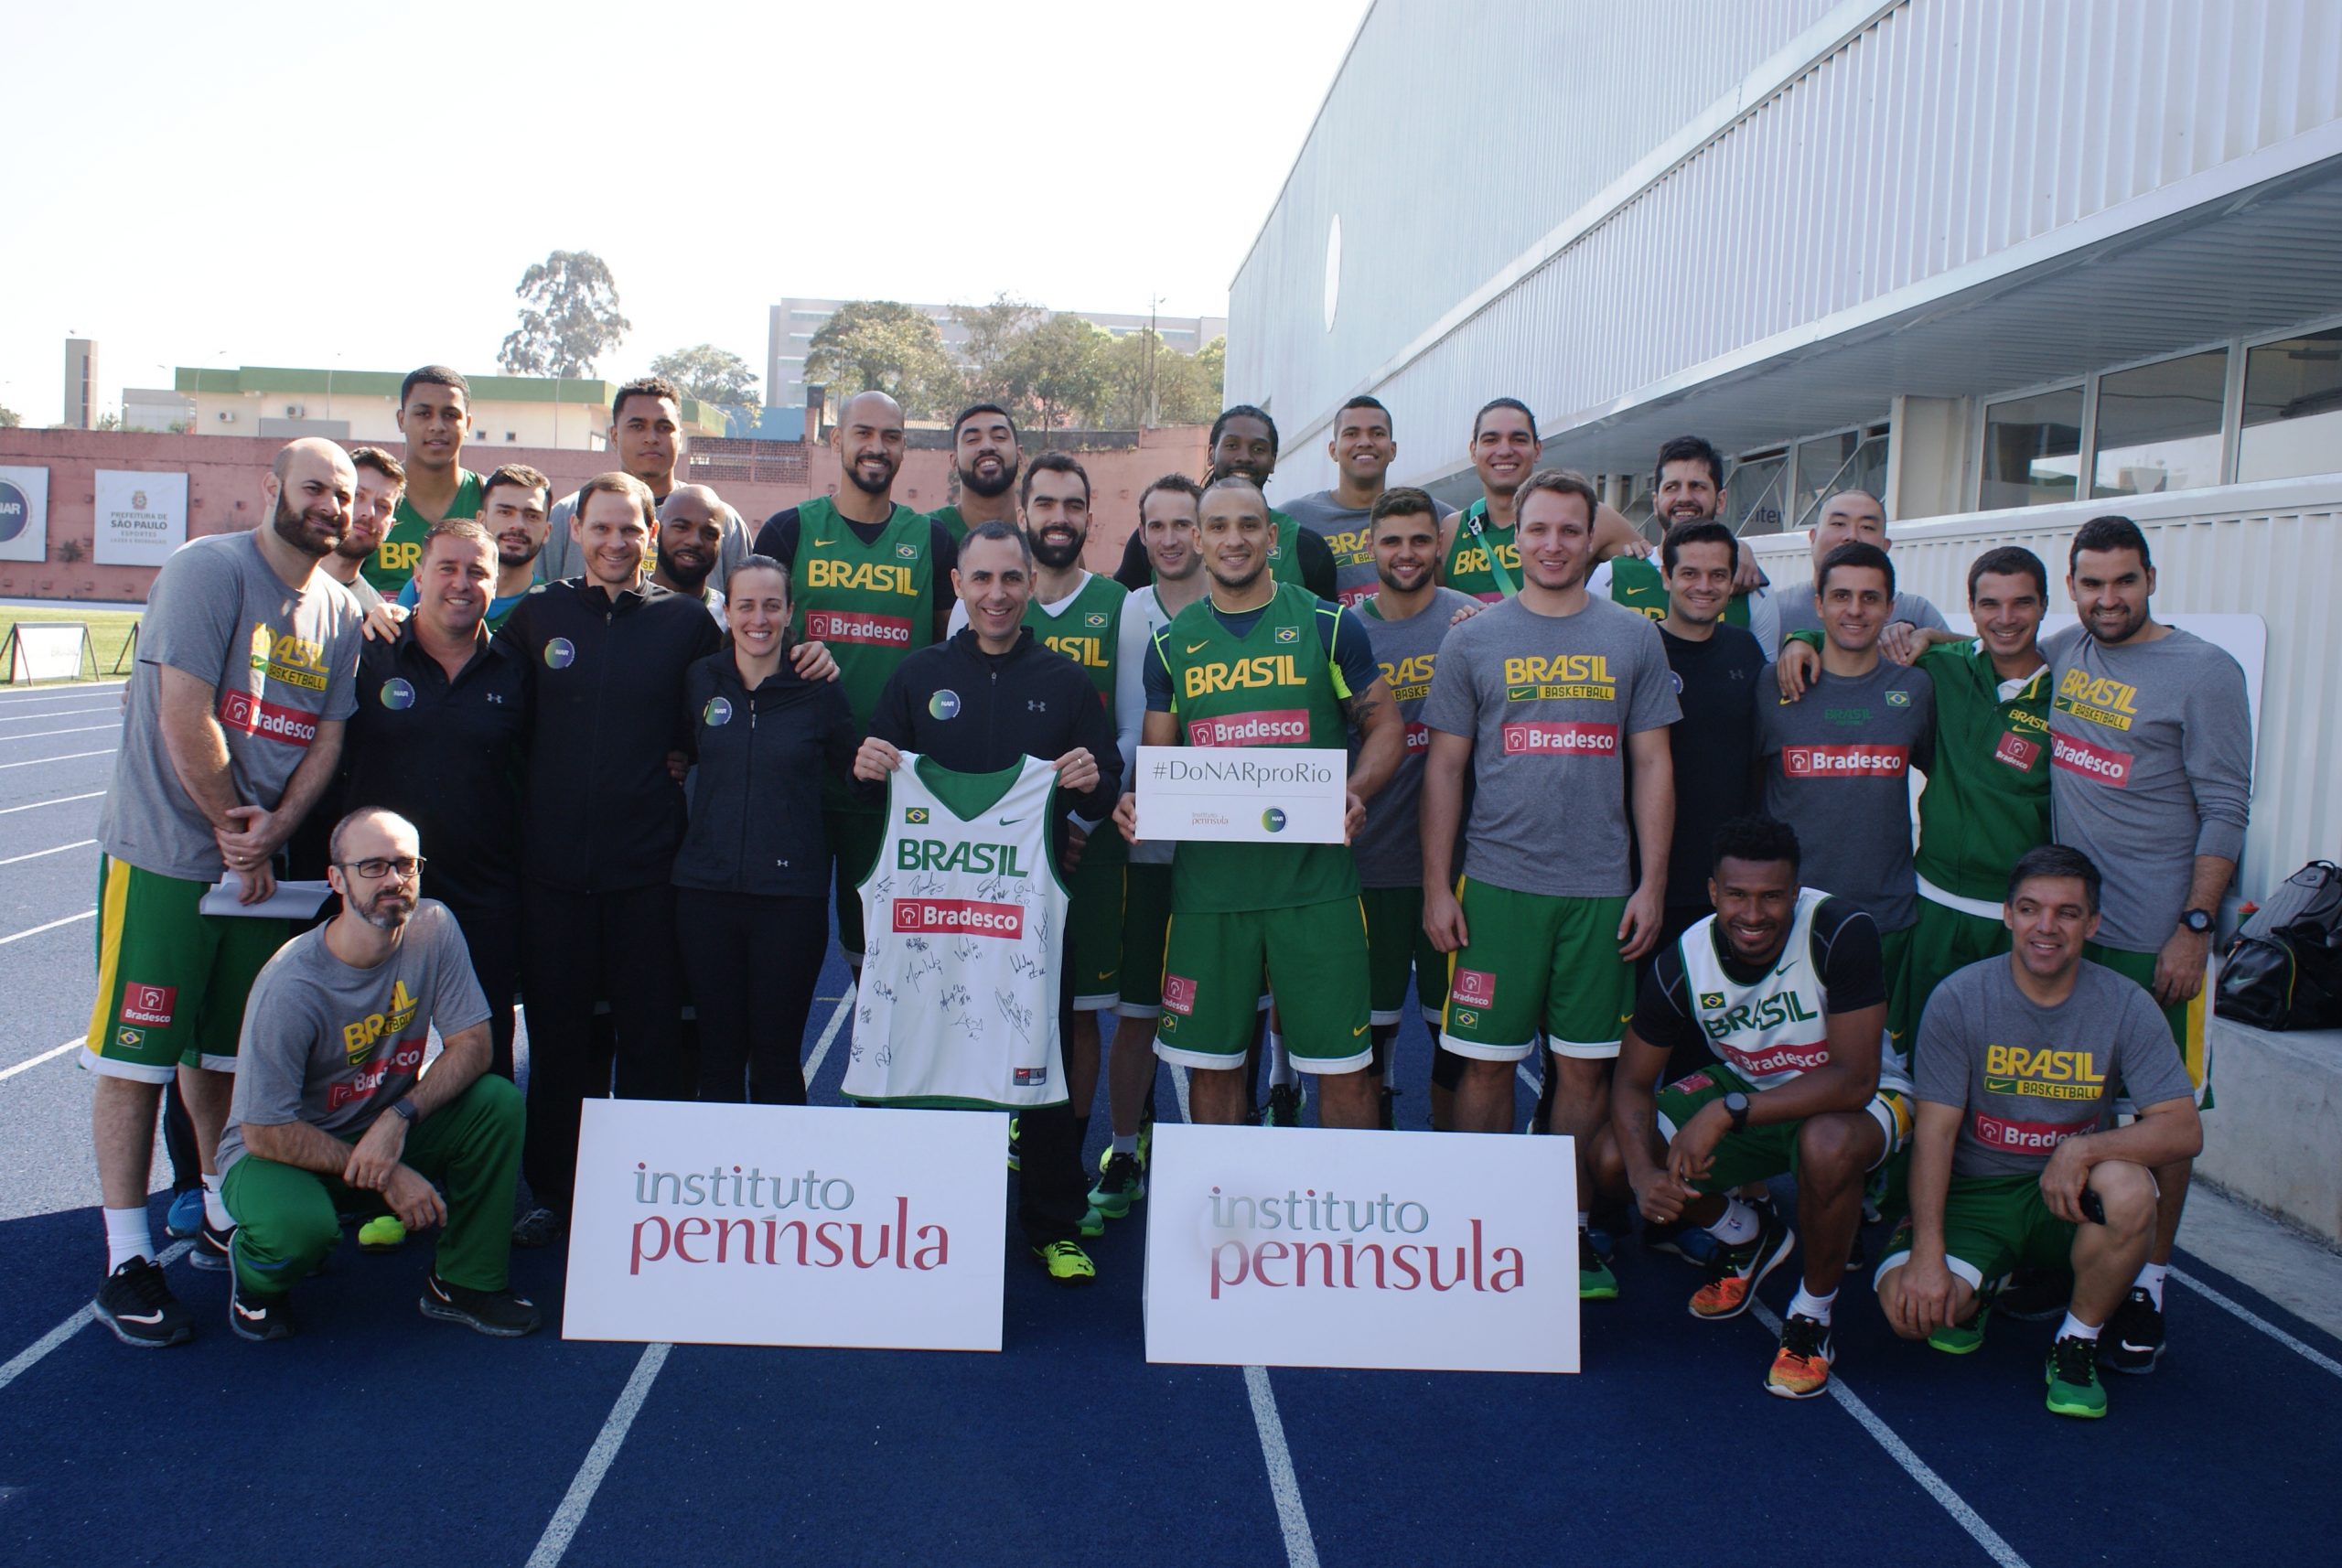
(1581, 1220)
(2150, 1279)
(127, 1236)
(215, 1210)
(1738, 1226)
(1124, 1145)
(1805, 1303)
(1282, 1072)
(2075, 1328)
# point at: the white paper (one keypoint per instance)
(291, 901)
(1242, 794)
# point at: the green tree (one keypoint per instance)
(569, 317)
(9, 418)
(1151, 383)
(877, 345)
(1061, 364)
(995, 331)
(712, 375)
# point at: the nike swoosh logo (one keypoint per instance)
(1360, 1029)
(1784, 969)
(823, 543)
(1009, 822)
(1193, 646)
(140, 1316)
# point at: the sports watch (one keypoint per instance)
(406, 1110)
(2197, 921)
(1735, 1105)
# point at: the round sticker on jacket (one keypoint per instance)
(397, 695)
(944, 704)
(717, 712)
(559, 653)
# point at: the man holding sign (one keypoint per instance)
(1262, 665)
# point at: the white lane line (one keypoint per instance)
(49, 1054)
(75, 729)
(79, 692)
(61, 849)
(821, 1047)
(31, 1355)
(69, 756)
(60, 800)
(68, 714)
(2307, 1352)
(36, 931)
(588, 1479)
(1936, 1487)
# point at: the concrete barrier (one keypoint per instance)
(2274, 1138)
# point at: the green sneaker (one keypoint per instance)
(1959, 1338)
(1093, 1223)
(2072, 1375)
(383, 1233)
(1016, 1160)
(1146, 1141)
(1595, 1280)
(1067, 1264)
(1119, 1186)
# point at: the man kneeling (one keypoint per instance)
(2015, 1162)
(331, 1098)
(1783, 984)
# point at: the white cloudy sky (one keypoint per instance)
(240, 183)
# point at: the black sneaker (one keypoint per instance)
(136, 1303)
(257, 1317)
(2035, 1296)
(494, 1312)
(1284, 1106)
(2132, 1339)
(209, 1252)
(539, 1228)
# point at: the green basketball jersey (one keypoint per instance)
(400, 550)
(1088, 631)
(1284, 548)
(949, 516)
(1637, 583)
(871, 604)
(1275, 686)
(1482, 560)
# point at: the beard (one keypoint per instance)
(504, 556)
(387, 912)
(1235, 466)
(998, 485)
(878, 486)
(1055, 551)
(292, 526)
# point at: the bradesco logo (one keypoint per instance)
(749, 1232)
(149, 1005)
(858, 627)
(1178, 994)
(1418, 737)
(2025, 1138)
(1348, 1244)
(1279, 726)
(960, 917)
(242, 711)
(2090, 761)
(1472, 988)
(405, 1057)
(1528, 739)
(1845, 761)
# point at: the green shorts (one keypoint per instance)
(1146, 913)
(171, 982)
(1395, 943)
(2186, 1021)
(1902, 1014)
(1096, 913)
(1991, 1225)
(1313, 956)
(1761, 1154)
(854, 837)
(1942, 941)
(1537, 963)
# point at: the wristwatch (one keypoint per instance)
(2197, 921)
(1735, 1105)
(406, 1111)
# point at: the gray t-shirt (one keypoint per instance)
(561, 560)
(1837, 769)
(278, 661)
(1389, 848)
(2150, 765)
(334, 1046)
(2027, 1077)
(1549, 703)
(1795, 606)
(1347, 536)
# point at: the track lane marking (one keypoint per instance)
(36, 931)
(61, 849)
(74, 729)
(69, 756)
(2308, 1352)
(32, 1354)
(60, 800)
(821, 1047)
(49, 1054)
(566, 1518)
(68, 714)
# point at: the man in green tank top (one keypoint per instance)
(1244, 444)
(434, 417)
(1687, 486)
(1260, 663)
(985, 458)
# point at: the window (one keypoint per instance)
(1851, 460)
(1753, 499)
(2033, 449)
(2292, 408)
(2159, 426)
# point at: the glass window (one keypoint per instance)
(1853, 460)
(2159, 426)
(1753, 499)
(2292, 408)
(2033, 450)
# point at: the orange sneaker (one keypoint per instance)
(1735, 1272)
(1801, 1368)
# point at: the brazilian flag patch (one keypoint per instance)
(907, 551)
(1711, 998)
(1288, 634)
(914, 813)
(1898, 698)
(1095, 618)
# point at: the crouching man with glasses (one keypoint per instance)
(333, 1099)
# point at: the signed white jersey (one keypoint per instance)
(964, 921)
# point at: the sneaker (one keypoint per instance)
(1120, 1185)
(2072, 1375)
(1736, 1271)
(2132, 1339)
(257, 1317)
(1389, 1121)
(1284, 1106)
(539, 1228)
(2035, 1296)
(1682, 1238)
(1067, 1264)
(209, 1252)
(1959, 1338)
(383, 1233)
(184, 1218)
(1093, 1223)
(136, 1303)
(1016, 1160)
(1801, 1368)
(494, 1312)
(1595, 1280)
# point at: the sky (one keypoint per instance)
(267, 184)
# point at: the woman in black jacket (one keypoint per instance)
(752, 876)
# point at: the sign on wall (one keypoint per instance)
(788, 1225)
(23, 514)
(1356, 1248)
(141, 516)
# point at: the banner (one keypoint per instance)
(141, 516)
(1455, 1253)
(1242, 794)
(788, 1225)
(23, 514)
(46, 651)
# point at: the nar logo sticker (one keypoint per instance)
(149, 1005)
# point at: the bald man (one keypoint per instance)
(1853, 517)
(874, 582)
(247, 667)
(691, 543)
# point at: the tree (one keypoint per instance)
(9, 418)
(569, 317)
(1150, 383)
(1061, 364)
(712, 375)
(877, 345)
(108, 421)
(994, 332)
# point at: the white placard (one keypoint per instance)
(23, 514)
(1242, 794)
(788, 1225)
(141, 516)
(46, 652)
(1448, 1251)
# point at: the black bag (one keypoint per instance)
(2285, 969)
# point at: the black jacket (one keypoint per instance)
(603, 814)
(755, 816)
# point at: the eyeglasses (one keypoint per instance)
(374, 870)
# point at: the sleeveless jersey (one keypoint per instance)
(1482, 559)
(872, 604)
(393, 565)
(1285, 547)
(1637, 583)
(1770, 1029)
(949, 516)
(1275, 686)
(1088, 631)
(964, 921)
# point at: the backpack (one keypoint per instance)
(2285, 971)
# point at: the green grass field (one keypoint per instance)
(109, 635)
